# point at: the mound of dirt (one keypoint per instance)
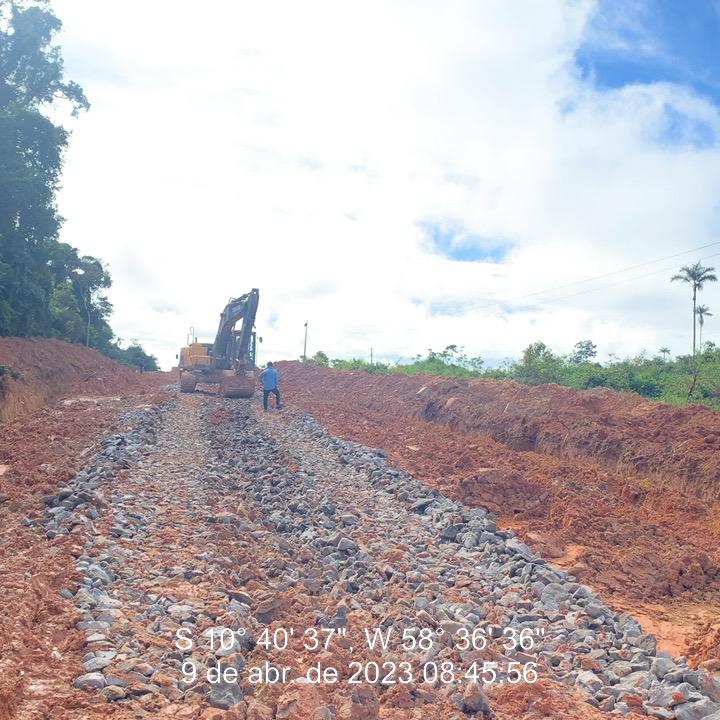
(35, 372)
(621, 431)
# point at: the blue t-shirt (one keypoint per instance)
(269, 378)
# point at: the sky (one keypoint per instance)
(400, 175)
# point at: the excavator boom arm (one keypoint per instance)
(229, 345)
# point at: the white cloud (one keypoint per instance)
(296, 147)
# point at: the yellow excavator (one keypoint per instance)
(229, 361)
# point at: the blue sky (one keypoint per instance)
(453, 242)
(631, 41)
(627, 43)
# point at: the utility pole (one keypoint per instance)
(371, 356)
(305, 344)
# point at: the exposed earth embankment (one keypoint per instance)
(35, 372)
(621, 490)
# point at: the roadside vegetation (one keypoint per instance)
(687, 378)
(46, 288)
(678, 381)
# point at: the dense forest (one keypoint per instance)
(46, 287)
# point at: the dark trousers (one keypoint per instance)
(266, 393)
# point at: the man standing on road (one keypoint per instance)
(270, 379)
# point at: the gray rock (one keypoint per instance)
(674, 676)
(115, 680)
(90, 681)
(113, 693)
(594, 610)
(553, 594)
(421, 505)
(97, 572)
(648, 643)
(658, 712)
(101, 660)
(347, 544)
(450, 532)
(240, 596)
(629, 625)
(475, 700)
(638, 680)
(225, 695)
(621, 668)
(669, 695)
(710, 686)
(519, 548)
(84, 598)
(696, 710)
(589, 681)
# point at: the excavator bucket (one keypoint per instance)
(188, 381)
(238, 386)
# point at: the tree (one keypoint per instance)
(536, 351)
(475, 363)
(695, 275)
(538, 365)
(665, 352)
(702, 311)
(31, 68)
(320, 358)
(31, 148)
(585, 351)
(67, 320)
(89, 279)
(45, 288)
(134, 355)
(453, 356)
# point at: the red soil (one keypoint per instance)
(621, 490)
(47, 441)
(38, 371)
(43, 442)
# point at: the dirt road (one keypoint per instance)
(619, 490)
(282, 554)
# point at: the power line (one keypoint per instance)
(620, 282)
(356, 329)
(518, 298)
(614, 272)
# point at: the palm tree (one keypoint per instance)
(695, 275)
(665, 352)
(702, 312)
